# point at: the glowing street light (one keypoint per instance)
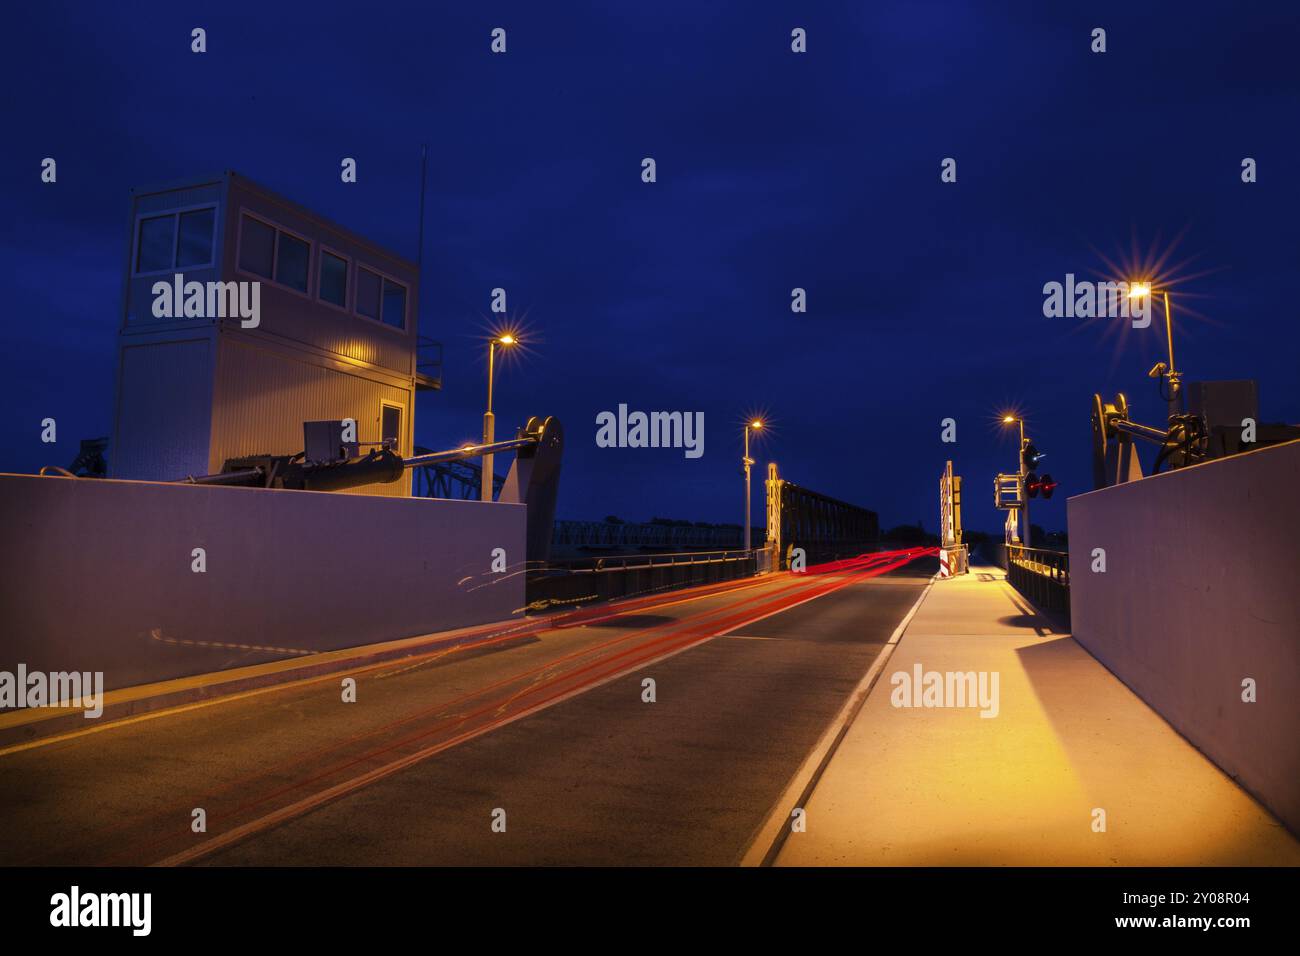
(755, 425)
(505, 341)
(1139, 290)
(1024, 496)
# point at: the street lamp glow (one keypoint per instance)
(1140, 290)
(1023, 508)
(505, 340)
(752, 425)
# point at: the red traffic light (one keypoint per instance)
(1035, 485)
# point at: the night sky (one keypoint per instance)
(775, 171)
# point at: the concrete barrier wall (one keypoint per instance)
(1201, 591)
(96, 575)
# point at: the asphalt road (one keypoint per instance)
(549, 735)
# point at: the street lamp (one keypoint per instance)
(1024, 492)
(755, 425)
(1139, 290)
(505, 341)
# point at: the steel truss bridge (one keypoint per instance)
(451, 479)
(609, 536)
(824, 527)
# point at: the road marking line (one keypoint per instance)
(157, 634)
(766, 843)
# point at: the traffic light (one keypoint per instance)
(1034, 485)
(1030, 456)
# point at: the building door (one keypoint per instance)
(390, 427)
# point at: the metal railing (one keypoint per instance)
(1042, 576)
(428, 362)
(620, 576)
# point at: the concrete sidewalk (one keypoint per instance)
(943, 786)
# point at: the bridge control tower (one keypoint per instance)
(201, 380)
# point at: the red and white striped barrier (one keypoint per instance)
(953, 562)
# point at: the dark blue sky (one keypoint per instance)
(775, 170)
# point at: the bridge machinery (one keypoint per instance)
(328, 462)
(1206, 420)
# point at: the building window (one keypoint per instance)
(390, 427)
(333, 279)
(194, 238)
(291, 261)
(175, 240)
(256, 247)
(155, 247)
(368, 285)
(273, 253)
(394, 304)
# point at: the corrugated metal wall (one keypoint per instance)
(305, 319)
(161, 429)
(264, 394)
(178, 198)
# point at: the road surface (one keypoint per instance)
(539, 748)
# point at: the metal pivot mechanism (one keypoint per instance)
(1114, 459)
(534, 480)
(534, 477)
(1206, 420)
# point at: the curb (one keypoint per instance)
(766, 843)
(22, 729)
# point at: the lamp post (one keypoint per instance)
(755, 425)
(489, 422)
(1024, 492)
(1140, 290)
